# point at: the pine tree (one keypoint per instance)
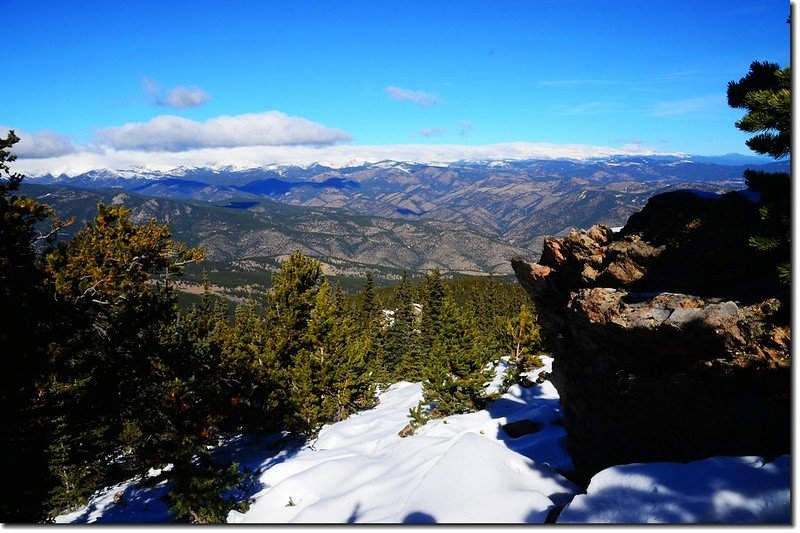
(765, 93)
(522, 341)
(292, 296)
(457, 374)
(122, 378)
(367, 327)
(401, 338)
(255, 390)
(369, 304)
(313, 366)
(28, 314)
(433, 291)
(333, 377)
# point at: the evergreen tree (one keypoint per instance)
(433, 294)
(369, 303)
(312, 368)
(333, 377)
(522, 341)
(255, 388)
(368, 326)
(338, 295)
(457, 374)
(765, 93)
(122, 380)
(292, 296)
(400, 338)
(27, 315)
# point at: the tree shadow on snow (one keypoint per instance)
(136, 505)
(255, 454)
(139, 503)
(533, 427)
(418, 517)
(712, 491)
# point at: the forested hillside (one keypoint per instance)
(112, 379)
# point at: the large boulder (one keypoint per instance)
(670, 338)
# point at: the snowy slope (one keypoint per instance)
(457, 469)
(467, 469)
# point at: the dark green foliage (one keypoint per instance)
(113, 379)
(201, 490)
(456, 374)
(131, 378)
(292, 297)
(774, 233)
(765, 93)
(433, 293)
(369, 322)
(27, 315)
(401, 338)
(369, 304)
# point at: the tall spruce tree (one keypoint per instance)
(369, 303)
(333, 377)
(369, 327)
(401, 337)
(456, 373)
(433, 293)
(313, 365)
(291, 301)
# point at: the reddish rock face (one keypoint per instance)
(670, 338)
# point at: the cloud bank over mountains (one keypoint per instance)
(39, 144)
(332, 155)
(166, 142)
(171, 133)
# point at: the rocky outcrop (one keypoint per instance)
(670, 338)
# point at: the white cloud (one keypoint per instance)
(180, 97)
(333, 155)
(421, 98)
(175, 134)
(39, 144)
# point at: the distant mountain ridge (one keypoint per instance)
(519, 200)
(253, 237)
(511, 204)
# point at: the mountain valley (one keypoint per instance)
(465, 217)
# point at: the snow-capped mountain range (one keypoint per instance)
(505, 206)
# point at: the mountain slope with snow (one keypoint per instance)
(468, 469)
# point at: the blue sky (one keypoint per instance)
(159, 79)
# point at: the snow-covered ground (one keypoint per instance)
(468, 469)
